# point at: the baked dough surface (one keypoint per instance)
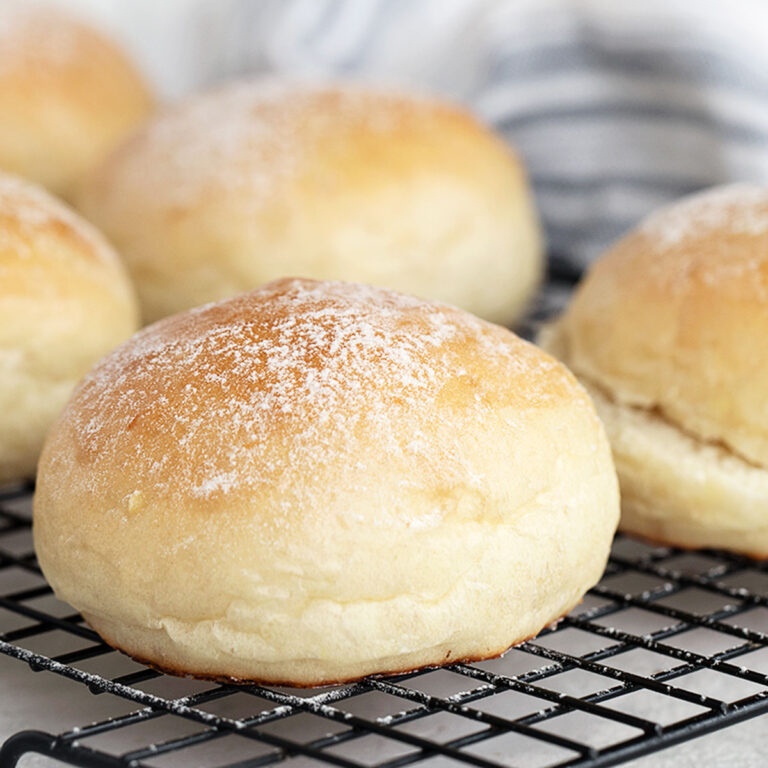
(318, 481)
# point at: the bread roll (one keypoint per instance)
(319, 481)
(65, 300)
(68, 96)
(668, 332)
(262, 179)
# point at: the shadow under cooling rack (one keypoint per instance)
(668, 646)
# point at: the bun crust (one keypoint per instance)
(670, 326)
(68, 96)
(319, 481)
(261, 179)
(64, 301)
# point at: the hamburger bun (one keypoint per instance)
(668, 331)
(262, 179)
(65, 300)
(319, 481)
(68, 96)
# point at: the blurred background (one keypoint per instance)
(616, 106)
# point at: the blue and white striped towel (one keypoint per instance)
(617, 106)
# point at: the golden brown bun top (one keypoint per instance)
(263, 178)
(675, 317)
(65, 300)
(300, 379)
(318, 480)
(260, 139)
(68, 95)
(63, 291)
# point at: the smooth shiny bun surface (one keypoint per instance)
(65, 300)
(262, 179)
(319, 481)
(669, 330)
(68, 96)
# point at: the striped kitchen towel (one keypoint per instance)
(616, 106)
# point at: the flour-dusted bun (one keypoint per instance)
(68, 96)
(65, 300)
(669, 332)
(319, 481)
(264, 179)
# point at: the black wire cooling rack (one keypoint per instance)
(670, 645)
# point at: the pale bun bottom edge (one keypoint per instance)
(154, 651)
(636, 524)
(679, 491)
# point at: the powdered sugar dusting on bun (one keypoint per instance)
(319, 481)
(28, 210)
(718, 237)
(265, 178)
(737, 208)
(253, 136)
(33, 32)
(314, 366)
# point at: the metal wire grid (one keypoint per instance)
(680, 594)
